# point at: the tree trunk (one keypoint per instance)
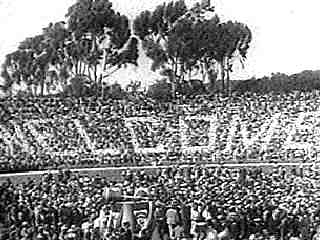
(42, 85)
(29, 89)
(174, 78)
(96, 80)
(95, 74)
(94, 41)
(79, 68)
(90, 73)
(203, 72)
(207, 71)
(35, 88)
(84, 69)
(212, 75)
(228, 78)
(173, 84)
(222, 75)
(181, 72)
(76, 67)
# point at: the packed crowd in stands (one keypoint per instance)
(47, 136)
(188, 203)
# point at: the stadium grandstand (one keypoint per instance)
(48, 133)
(196, 155)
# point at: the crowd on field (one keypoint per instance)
(187, 203)
(51, 132)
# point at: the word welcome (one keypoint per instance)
(147, 135)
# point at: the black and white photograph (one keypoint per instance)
(159, 120)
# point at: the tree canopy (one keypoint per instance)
(185, 44)
(94, 41)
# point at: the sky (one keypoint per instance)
(286, 33)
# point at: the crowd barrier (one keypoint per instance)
(108, 170)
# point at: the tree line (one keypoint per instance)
(305, 81)
(94, 41)
(277, 83)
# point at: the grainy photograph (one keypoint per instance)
(159, 120)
